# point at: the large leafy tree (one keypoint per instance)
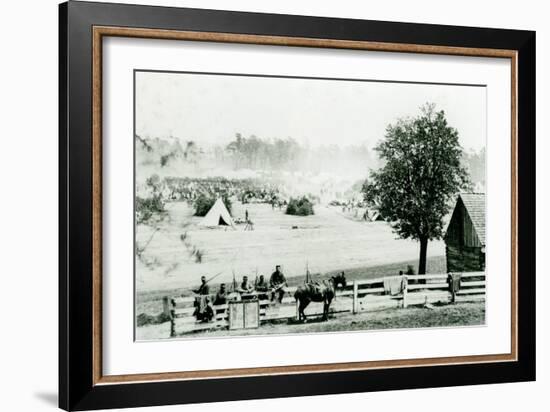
(421, 174)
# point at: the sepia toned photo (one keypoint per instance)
(291, 205)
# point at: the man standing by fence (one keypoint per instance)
(203, 289)
(203, 310)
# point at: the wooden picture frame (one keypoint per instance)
(82, 27)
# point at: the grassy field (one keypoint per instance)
(448, 315)
(464, 314)
(325, 242)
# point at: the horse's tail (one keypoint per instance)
(299, 292)
(332, 286)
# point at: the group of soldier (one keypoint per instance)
(275, 288)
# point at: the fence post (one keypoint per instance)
(165, 306)
(172, 326)
(405, 287)
(450, 281)
(355, 297)
(169, 310)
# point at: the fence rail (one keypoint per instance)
(357, 296)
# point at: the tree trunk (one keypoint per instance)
(422, 260)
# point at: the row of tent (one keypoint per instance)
(218, 215)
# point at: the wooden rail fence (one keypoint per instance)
(357, 296)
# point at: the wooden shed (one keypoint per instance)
(465, 237)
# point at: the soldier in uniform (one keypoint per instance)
(261, 284)
(203, 309)
(277, 283)
(203, 289)
(246, 287)
(221, 296)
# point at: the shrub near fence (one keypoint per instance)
(358, 296)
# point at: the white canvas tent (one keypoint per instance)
(372, 215)
(217, 216)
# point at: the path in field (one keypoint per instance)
(326, 241)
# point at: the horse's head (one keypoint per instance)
(339, 280)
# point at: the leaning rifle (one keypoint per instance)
(214, 277)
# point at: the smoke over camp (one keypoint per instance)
(284, 162)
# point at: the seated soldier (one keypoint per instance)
(245, 288)
(221, 296)
(261, 284)
(277, 283)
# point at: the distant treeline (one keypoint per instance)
(275, 154)
(289, 155)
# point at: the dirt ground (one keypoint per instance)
(447, 315)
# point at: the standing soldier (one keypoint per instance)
(203, 289)
(203, 310)
(277, 283)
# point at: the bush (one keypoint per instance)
(203, 204)
(144, 319)
(300, 207)
(147, 207)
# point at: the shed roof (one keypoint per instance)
(475, 205)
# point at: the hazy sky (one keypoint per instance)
(212, 108)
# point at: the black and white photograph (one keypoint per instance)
(299, 205)
(265, 206)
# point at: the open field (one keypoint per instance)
(452, 315)
(325, 242)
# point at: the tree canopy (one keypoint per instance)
(421, 172)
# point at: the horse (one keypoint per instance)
(318, 292)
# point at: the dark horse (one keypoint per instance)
(318, 292)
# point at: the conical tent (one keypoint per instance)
(372, 215)
(217, 216)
